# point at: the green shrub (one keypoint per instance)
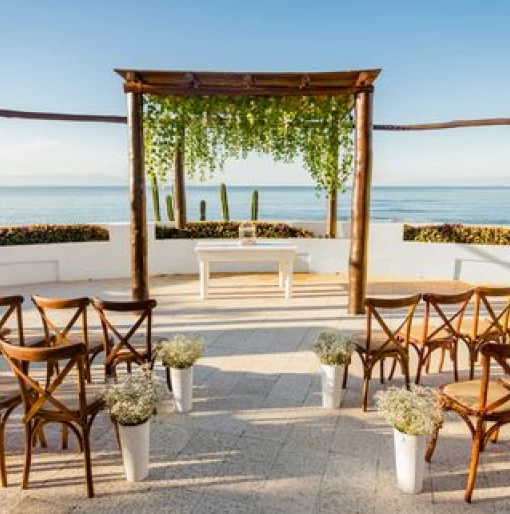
(456, 233)
(228, 230)
(45, 234)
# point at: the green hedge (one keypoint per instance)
(228, 230)
(456, 233)
(45, 234)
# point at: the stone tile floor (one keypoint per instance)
(257, 440)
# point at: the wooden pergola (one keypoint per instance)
(198, 83)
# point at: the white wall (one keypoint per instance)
(390, 257)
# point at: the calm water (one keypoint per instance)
(21, 205)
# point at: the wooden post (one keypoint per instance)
(139, 254)
(360, 213)
(179, 187)
(332, 214)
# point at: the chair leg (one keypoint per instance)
(116, 430)
(344, 380)
(455, 360)
(495, 436)
(88, 465)
(393, 368)
(3, 466)
(472, 359)
(431, 445)
(169, 380)
(28, 455)
(475, 456)
(65, 436)
(405, 369)
(441, 362)
(381, 366)
(421, 362)
(366, 381)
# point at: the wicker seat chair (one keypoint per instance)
(132, 344)
(484, 405)
(68, 402)
(489, 322)
(380, 341)
(444, 334)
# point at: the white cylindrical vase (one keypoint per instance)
(182, 388)
(332, 376)
(410, 461)
(135, 450)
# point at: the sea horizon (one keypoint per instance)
(31, 204)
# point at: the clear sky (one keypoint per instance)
(441, 60)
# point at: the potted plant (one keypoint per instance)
(180, 354)
(334, 351)
(132, 402)
(413, 414)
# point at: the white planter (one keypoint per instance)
(332, 376)
(410, 461)
(135, 450)
(182, 388)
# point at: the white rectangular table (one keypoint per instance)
(284, 254)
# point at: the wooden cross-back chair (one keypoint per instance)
(383, 342)
(131, 345)
(66, 332)
(10, 397)
(484, 405)
(489, 322)
(11, 314)
(62, 399)
(441, 333)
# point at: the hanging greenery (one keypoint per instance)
(318, 129)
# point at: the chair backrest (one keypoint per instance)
(37, 397)
(378, 309)
(449, 309)
(62, 330)
(486, 300)
(141, 317)
(501, 354)
(10, 307)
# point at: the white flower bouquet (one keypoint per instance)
(182, 351)
(133, 400)
(333, 349)
(414, 412)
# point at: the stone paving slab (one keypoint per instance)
(258, 440)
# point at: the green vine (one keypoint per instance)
(318, 129)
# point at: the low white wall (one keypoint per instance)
(389, 257)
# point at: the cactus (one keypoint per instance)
(169, 208)
(202, 210)
(254, 205)
(224, 202)
(155, 197)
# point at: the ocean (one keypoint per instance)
(477, 205)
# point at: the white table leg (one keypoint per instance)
(289, 270)
(281, 274)
(204, 279)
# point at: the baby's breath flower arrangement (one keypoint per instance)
(333, 349)
(413, 412)
(133, 400)
(182, 351)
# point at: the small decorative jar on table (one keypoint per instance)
(247, 233)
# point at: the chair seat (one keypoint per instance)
(9, 390)
(484, 325)
(377, 340)
(416, 333)
(467, 393)
(68, 395)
